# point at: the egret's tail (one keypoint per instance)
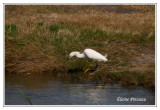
(105, 56)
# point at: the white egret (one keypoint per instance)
(90, 54)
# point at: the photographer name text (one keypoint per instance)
(130, 99)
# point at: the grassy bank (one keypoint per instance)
(39, 38)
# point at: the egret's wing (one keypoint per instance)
(92, 54)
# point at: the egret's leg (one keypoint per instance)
(92, 70)
(87, 70)
(95, 66)
(91, 74)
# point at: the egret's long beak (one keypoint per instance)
(67, 59)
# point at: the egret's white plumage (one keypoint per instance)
(92, 54)
(89, 53)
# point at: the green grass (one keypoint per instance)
(113, 62)
(70, 39)
(151, 38)
(39, 24)
(55, 28)
(25, 97)
(11, 30)
(64, 43)
(88, 34)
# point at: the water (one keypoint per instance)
(45, 90)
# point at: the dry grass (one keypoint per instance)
(28, 60)
(39, 38)
(127, 23)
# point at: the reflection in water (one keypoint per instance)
(45, 90)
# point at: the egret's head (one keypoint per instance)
(73, 54)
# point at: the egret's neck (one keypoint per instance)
(80, 55)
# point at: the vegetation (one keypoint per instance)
(38, 39)
(25, 97)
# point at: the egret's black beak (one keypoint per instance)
(67, 59)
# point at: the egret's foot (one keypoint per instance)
(91, 73)
(87, 70)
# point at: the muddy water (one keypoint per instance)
(47, 90)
